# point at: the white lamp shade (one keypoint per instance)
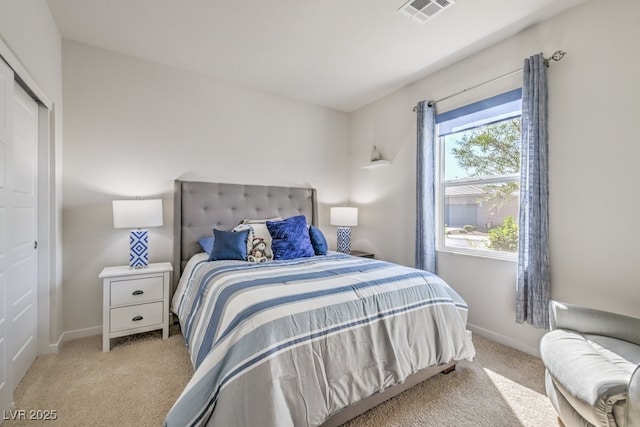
(137, 213)
(344, 217)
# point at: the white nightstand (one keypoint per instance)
(362, 254)
(135, 300)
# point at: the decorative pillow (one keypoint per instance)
(290, 238)
(258, 250)
(229, 245)
(318, 241)
(206, 243)
(243, 227)
(260, 230)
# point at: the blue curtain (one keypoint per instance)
(426, 189)
(533, 289)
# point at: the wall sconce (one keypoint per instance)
(344, 218)
(137, 214)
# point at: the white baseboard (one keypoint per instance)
(80, 333)
(50, 348)
(55, 347)
(502, 339)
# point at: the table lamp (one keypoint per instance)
(344, 218)
(136, 214)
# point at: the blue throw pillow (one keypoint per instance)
(290, 238)
(229, 245)
(206, 243)
(318, 241)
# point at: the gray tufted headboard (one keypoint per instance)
(199, 207)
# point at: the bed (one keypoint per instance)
(306, 341)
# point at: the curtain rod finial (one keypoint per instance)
(557, 56)
(429, 104)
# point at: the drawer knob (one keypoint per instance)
(137, 318)
(137, 293)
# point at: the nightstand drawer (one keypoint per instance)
(136, 316)
(133, 291)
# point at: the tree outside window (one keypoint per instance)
(479, 186)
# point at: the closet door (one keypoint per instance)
(18, 231)
(22, 220)
(6, 134)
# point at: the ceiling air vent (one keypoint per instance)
(422, 10)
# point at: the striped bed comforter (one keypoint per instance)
(292, 342)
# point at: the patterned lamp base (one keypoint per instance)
(344, 239)
(139, 244)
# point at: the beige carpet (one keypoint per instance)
(137, 382)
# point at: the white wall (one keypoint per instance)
(29, 29)
(132, 127)
(594, 151)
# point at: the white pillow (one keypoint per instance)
(259, 230)
(260, 221)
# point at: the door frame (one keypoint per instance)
(47, 197)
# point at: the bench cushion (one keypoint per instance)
(593, 369)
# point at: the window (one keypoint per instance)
(478, 177)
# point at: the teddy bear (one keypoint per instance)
(258, 250)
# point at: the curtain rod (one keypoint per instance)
(557, 56)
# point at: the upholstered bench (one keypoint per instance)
(592, 363)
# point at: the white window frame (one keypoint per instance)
(442, 185)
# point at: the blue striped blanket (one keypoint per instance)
(292, 342)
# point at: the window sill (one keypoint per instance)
(503, 256)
